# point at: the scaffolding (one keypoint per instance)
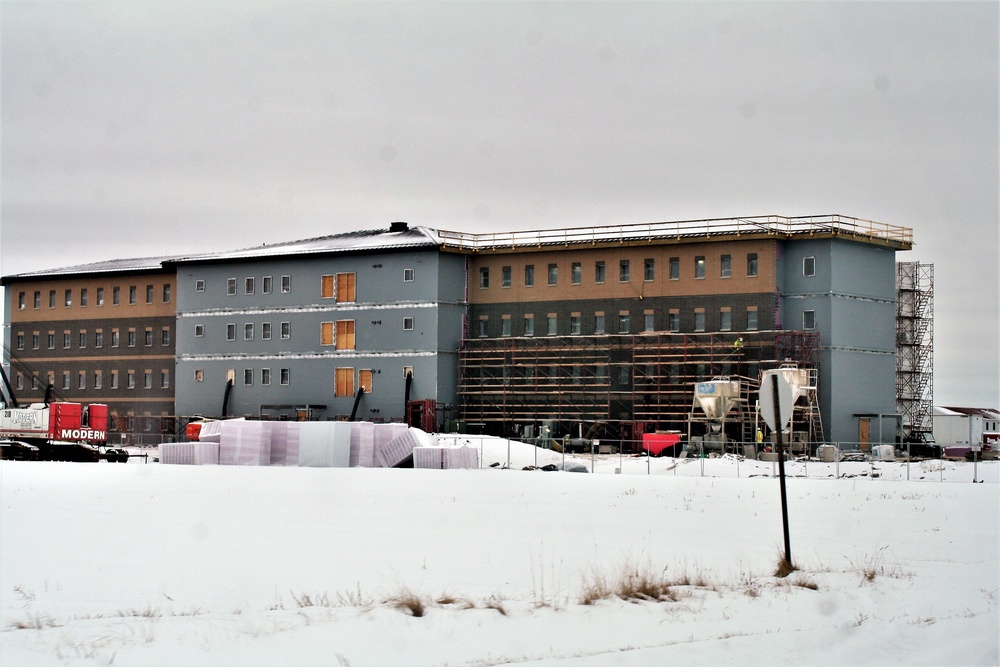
(915, 347)
(606, 385)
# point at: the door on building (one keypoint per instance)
(864, 432)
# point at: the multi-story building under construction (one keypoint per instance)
(613, 326)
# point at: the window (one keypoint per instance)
(67, 298)
(407, 324)
(164, 379)
(346, 286)
(284, 377)
(99, 296)
(345, 334)
(809, 320)
(130, 380)
(98, 380)
(51, 340)
(132, 295)
(365, 380)
(165, 336)
(248, 376)
(725, 320)
(726, 266)
(286, 287)
(149, 294)
(553, 324)
(624, 375)
(344, 382)
(83, 298)
(506, 276)
(148, 337)
(599, 323)
(484, 327)
(505, 325)
(66, 340)
(116, 296)
(407, 275)
(199, 286)
(265, 377)
(600, 273)
(199, 330)
(265, 331)
(809, 266)
(230, 332)
(81, 380)
(52, 298)
(65, 380)
(675, 268)
(166, 293)
(576, 273)
(286, 330)
(231, 286)
(623, 271)
(265, 285)
(199, 375)
(248, 331)
(574, 324)
(38, 299)
(529, 275)
(553, 274)
(20, 301)
(674, 321)
(114, 379)
(326, 333)
(248, 285)
(484, 277)
(131, 337)
(699, 267)
(83, 339)
(529, 325)
(648, 321)
(623, 322)
(34, 381)
(147, 380)
(19, 382)
(648, 269)
(20, 340)
(699, 319)
(751, 265)
(115, 338)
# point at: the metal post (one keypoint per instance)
(908, 462)
(781, 470)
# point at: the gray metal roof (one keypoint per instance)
(380, 239)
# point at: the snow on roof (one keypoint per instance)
(398, 236)
(131, 265)
(985, 413)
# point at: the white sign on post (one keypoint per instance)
(776, 419)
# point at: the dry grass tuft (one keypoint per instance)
(407, 600)
(784, 568)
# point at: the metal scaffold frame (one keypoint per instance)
(915, 346)
(610, 382)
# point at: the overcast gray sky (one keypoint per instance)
(138, 128)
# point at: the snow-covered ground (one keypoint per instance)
(148, 564)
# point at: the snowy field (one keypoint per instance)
(668, 562)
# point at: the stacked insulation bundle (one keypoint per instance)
(315, 444)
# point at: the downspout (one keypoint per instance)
(357, 400)
(225, 399)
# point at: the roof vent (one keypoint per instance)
(399, 227)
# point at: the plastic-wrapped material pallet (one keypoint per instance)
(398, 452)
(285, 443)
(828, 453)
(206, 453)
(211, 431)
(386, 433)
(325, 444)
(245, 443)
(445, 458)
(883, 453)
(363, 444)
(177, 453)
